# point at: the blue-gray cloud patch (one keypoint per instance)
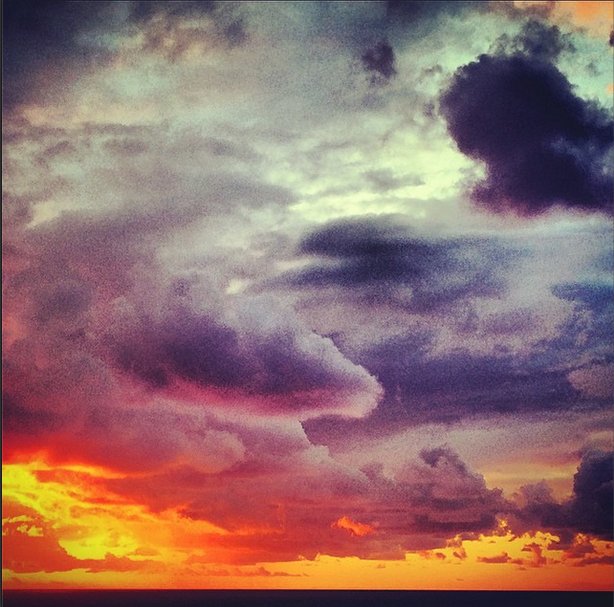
(588, 510)
(380, 262)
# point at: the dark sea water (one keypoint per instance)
(302, 598)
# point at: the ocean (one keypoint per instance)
(301, 598)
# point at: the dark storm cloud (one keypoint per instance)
(536, 39)
(422, 387)
(541, 144)
(589, 510)
(197, 348)
(419, 12)
(379, 61)
(591, 507)
(71, 277)
(49, 44)
(460, 385)
(77, 263)
(264, 354)
(43, 44)
(381, 262)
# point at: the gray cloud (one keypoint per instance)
(381, 262)
(44, 46)
(589, 510)
(259, 350)
(537, 40)
(379, 61)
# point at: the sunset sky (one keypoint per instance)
(308, 295)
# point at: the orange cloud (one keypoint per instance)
(594, 17)
(63, 528)
(355, 528)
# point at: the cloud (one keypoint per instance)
(595, 381)
(449, 494)
(99, 320)
(384, 180)
(382, 262)
(78, 407)
(49, 44)
(423, 386)
(539, 560)
(259, 353)
(134, 183)
(540, 143)
(504, 557)
(283, 503)
(122, 370)
(173, 30)
(419, 16)
(305, 503)
(589, 510)
(379, 61)
(537, 40)
(240, 571)
(589, 329)
(353, 527)
(594, 296)
(162, 326)
(604, 559)
(122, 358)
(34, 546)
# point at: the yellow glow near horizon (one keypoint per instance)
(84, 526)
(90, 523)
(115, 544)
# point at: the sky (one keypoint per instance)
(307, 295)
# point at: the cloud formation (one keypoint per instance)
(384, 262)
(262, 356)
(48, 44)
(541, 144)
(379, 60)
(589, 510)
(306, 503)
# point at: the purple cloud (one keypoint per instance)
(541, 144)
(380, 262)
(589, 510)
